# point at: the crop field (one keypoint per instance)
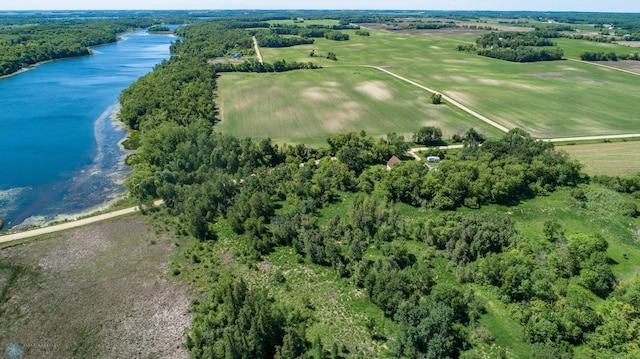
(548, 99)
(308, 106)
(612, 159)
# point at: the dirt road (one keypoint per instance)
(72, 224)
(255, 46)
(590, 138)
(412, 151)
(446, 98)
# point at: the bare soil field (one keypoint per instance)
(101, 291)
(628, 65)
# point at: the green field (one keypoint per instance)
(548, 99)
(308, 106)
(612, 159)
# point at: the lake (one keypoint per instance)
(59, 137)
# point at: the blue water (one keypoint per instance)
(59, 151)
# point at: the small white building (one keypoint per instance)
(434, 159)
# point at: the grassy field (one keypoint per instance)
(100, 291)
(308, 106)
(548, 99)
(613, 159)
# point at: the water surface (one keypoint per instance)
(59, 151)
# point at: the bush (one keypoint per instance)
(630, 209)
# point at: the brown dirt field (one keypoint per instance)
(100, 291)
(628, 65)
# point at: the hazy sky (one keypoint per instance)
(537, 5)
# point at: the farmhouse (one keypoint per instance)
(392, 162)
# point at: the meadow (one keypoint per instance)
(548, 99)
(100, 291)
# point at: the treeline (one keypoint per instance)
(513, 40)
(312, 30)
(159, 28)
(255, 66)
(280, 41)
(206, 40)
(517, 46)
(177, 90)
(608, 56)
(523, 54)
(336, 36)
(22, 46)
(209, 39)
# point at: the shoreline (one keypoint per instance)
(112, 155)
(25, 69)
(33, 66)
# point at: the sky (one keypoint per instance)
(534, 5)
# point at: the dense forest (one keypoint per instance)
(26, 45)
(266, 198)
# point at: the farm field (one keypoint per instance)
(308, 106)
(548, 99)
(612, 159)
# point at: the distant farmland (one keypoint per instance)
(308, 106)
(548, 99)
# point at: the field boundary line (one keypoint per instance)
(445, 97)
(588, 138)
(606, 66)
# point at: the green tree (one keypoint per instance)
(427, 135)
